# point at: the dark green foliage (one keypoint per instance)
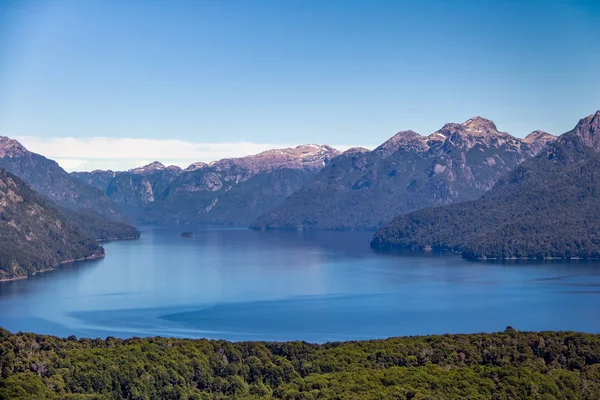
(35, 234)
(547, 207)
(507, 365)
(100, 228)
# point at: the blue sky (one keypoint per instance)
(270, 73)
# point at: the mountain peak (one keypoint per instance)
(538, 135)
(195, 166)
(356, 150)
(589, 125)
(313, 149)
(153, 166)
(409, 140)
(538, 140)
(587, 130)
(10, 147)
(480, 125)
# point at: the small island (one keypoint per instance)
(186, 234)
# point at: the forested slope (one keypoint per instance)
(363, 189)
(36, 234)
(508, 365)
(548, 207)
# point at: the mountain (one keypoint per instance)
(97, 215)
(49, 179)
(548, 207)
(229, 191)
(538, 140)
(363, 189)
(36, 234)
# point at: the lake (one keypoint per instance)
(239, 284)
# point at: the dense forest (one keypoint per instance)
(548, 207)
(99, 227)
(507, 365)
(36, 234)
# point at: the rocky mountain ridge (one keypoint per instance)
(547, 207)
(213, 192)
(365, 189)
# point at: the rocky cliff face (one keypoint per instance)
(363, 190)
(539, 140)
(586, 133)
(233, 191)
(36, 235)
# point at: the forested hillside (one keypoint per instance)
(548, 207)
(36, 234)
(508, 365)
(87, 207)
(46, 177)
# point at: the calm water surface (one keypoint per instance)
(239, 284)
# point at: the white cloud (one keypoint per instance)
(125, 153)
(72, 164)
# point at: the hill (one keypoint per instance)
(363, 189)
(95, 214)
(49, 179)
(548, 207)
(37, 235)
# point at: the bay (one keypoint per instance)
(318, 286)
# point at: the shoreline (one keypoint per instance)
(117, 239)
(55, 266)
(439, 250)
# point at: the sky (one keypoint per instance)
(115, 84)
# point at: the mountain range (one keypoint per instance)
(547, 207)
(363, 189)
(230, 191)
(466, 187)
(317, 187)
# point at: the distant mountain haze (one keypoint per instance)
(363, 189)
(229, 191)
(547, 207)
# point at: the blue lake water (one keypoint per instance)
(239, 284)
